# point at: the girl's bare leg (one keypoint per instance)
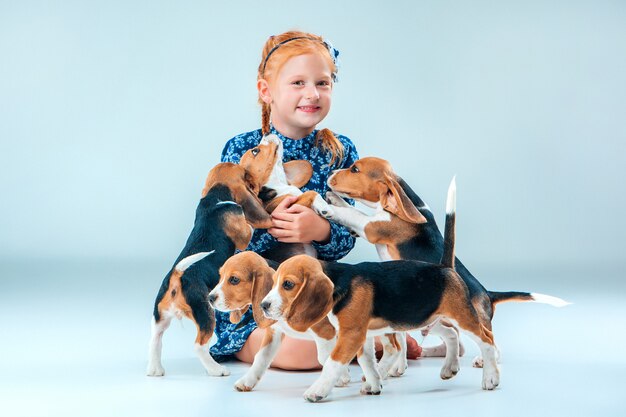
(293, 354)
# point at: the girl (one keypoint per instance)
(294, 82)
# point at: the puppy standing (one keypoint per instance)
(402, 227)
(228, 203)
(245, 279)
(363, 302)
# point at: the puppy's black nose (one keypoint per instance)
(265, 305)
(212, 298)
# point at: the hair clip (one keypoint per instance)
(334, 54)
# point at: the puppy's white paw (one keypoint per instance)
(491, 379)
(155, 369)
(218, 370)
(383, 371)
(371, 387)
(399, 367)
(327, 213)
(335, 200)
(344, 379)
(246, 383)
(477, 362)
(321, 207)
(450, 370)
(317, 392)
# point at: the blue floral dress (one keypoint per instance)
(231, 337)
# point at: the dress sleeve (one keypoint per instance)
(341, 241)
(232, 152)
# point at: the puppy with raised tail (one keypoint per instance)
(362, 301)
(402, 227)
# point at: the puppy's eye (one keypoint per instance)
(354, 169)
(255, 151)
(288, 285)
(233, 280)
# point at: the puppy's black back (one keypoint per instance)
(405, 292)
(207, 235)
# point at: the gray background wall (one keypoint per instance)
(112, 113)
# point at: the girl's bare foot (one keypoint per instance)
(413, 350)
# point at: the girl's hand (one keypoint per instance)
(294, 223)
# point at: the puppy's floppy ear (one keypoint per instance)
(298, 172)
(251, 183)
(313, 302)
(263, 283)
(252, 208)
(394, 199)
(238, 230)
(235, 315)
(208, 183)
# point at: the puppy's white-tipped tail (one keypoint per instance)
(190, 260)
(447, 258)
(548, 299)
(451, 201)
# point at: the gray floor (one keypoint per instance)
(74, 343)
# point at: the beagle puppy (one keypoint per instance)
(225, 215)
(402, 227)
(245, 279)
(361, 301)
(279, 180)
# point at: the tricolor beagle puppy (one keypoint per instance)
(245, 279)
(228, 208)
(371, 298)
(280, 180)
(402, 227)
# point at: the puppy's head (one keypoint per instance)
(245, 278)
(265, 164)
(261, 160)
(302, 294)
(372, 181)
(244, 190)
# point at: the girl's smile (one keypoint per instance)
(309, 109)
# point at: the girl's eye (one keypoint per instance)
(299, 83)
(255, 151)
(354, 169)
(233, 280)
(288, 285)
(323, 83)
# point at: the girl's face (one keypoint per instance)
(299, 96)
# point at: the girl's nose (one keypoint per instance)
(311, 93)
